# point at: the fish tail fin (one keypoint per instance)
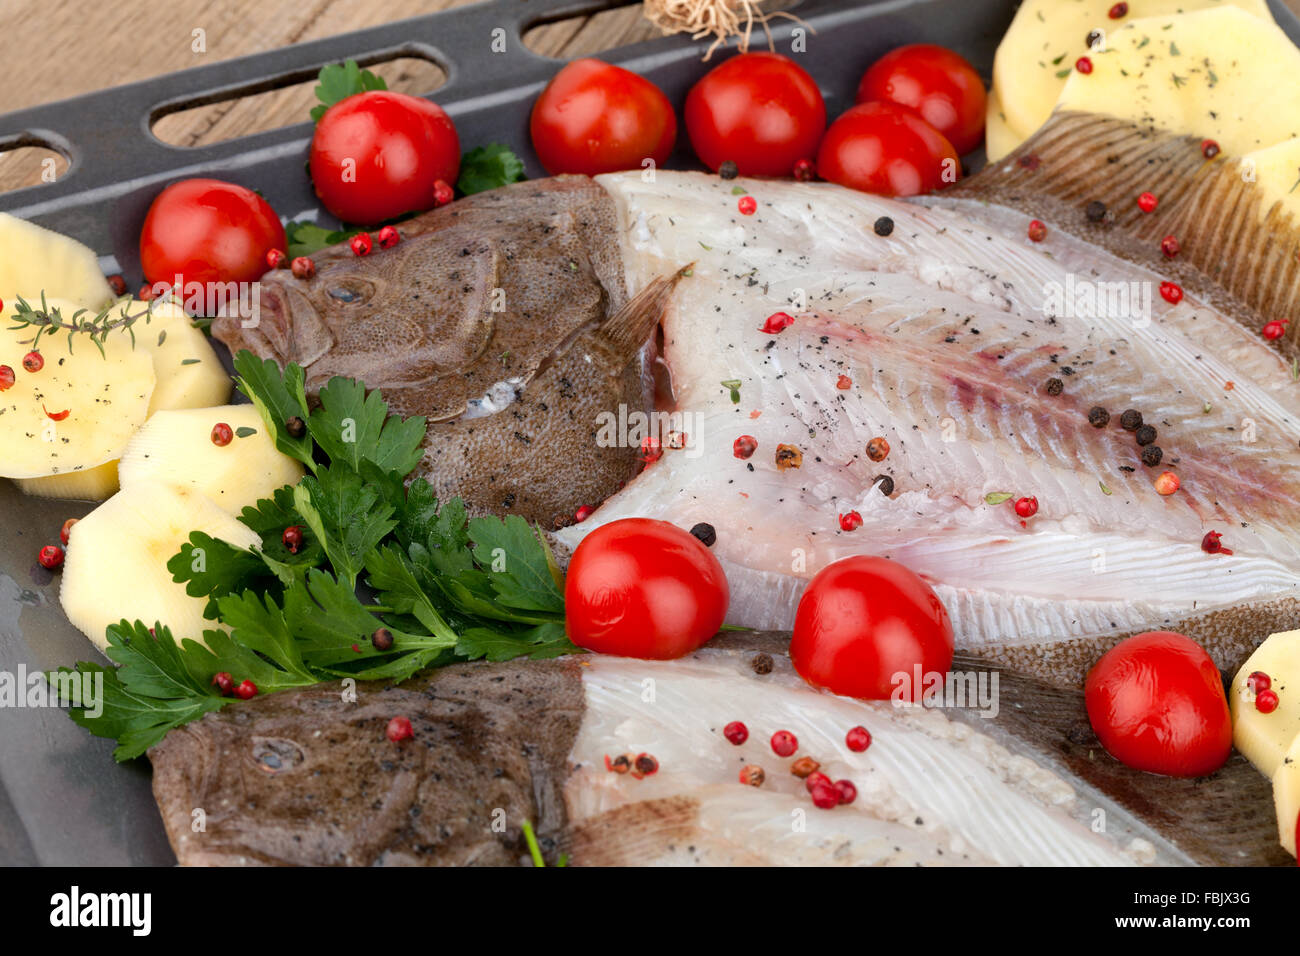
(1234, 237)
(631, 326)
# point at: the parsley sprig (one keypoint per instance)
(338, 81)
(377, 552)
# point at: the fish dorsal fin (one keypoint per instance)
(630, 327)
(1238, 246)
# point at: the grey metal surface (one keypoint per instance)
(63, 800)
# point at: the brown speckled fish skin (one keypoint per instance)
(306, 777)
(541, 456)
(491, 289)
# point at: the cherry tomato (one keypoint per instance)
(862, 622)
(936, 82)
(596, 118)
(760, 110)
(1156, 703)
(206, 230)
(643, 588)
(887, 149)
(377, 155)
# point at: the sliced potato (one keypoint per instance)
(188, 375)
(35, 260)
(1277, 174)
(92, 484)
(187, 368)
(1204, 74)
(116, 564)
(176, 447)
(1286, 797)
(1000, 138)
(1265, 738)
(1047, 36)
(105, 395)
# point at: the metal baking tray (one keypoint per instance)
(63, 800)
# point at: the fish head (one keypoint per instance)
(421, 312)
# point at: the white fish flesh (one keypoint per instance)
(946, 332)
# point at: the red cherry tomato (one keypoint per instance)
(862, 622)
(377, 155)
(596, 118)
(1156, 703)
(760, 110)
(936, 82)
(887, 149)
(643, 588)
(206, 230)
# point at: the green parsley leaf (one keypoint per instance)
(345, 514)
(212, 568)
(278, 396)
(136, 721)
(307, 238)
(521, 573)
(352, 427)
(339, 81)
(542, 641)
(489, 167)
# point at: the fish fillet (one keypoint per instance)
(946, 332)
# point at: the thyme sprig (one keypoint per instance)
(96, 326)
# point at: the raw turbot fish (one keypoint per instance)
(308, 777)
(978, 356)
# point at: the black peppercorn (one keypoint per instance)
(1095, 211)
(1131, 420)
(1098, 417)
(706, 533)
(1091, 40)
(1151, 455)
(884, 226)
(762, 663)
(728, 170)
(296, 427)
(886, 484)
(382, 639)
(1055, 386)
(1145, 435)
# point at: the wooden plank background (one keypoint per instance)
(53, 49)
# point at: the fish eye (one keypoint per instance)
(344, 294)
